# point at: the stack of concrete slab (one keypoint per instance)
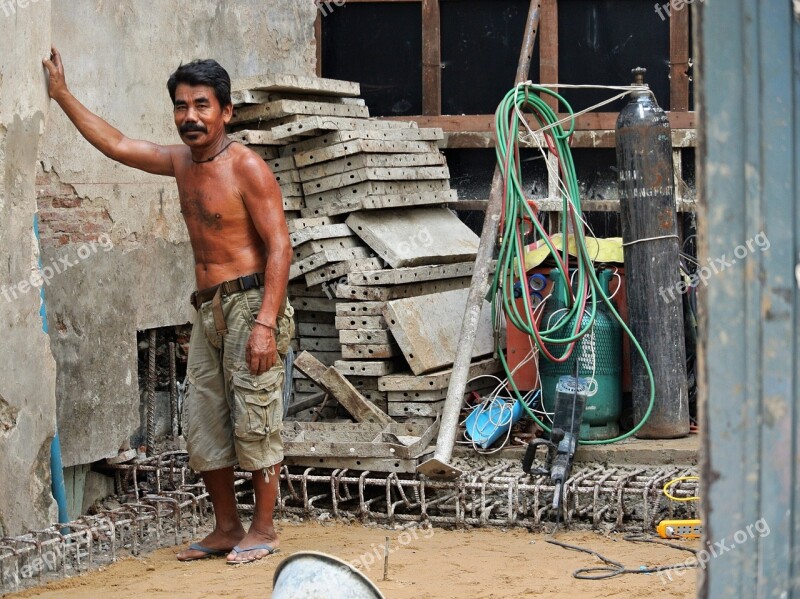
(261, 104)
(365, 204)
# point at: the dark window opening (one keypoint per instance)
(380, 46)
(601, 41)
(481, 42)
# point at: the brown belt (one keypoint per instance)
(216, 293)
(245, 283)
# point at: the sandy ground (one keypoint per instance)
(425, 564)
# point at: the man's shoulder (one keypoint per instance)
(247, 162)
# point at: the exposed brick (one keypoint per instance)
(64, 218)
(66, 202)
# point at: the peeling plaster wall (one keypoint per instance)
(118, 56)
(27, 368)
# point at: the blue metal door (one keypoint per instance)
(749, 181)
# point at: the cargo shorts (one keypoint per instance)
(229, 415)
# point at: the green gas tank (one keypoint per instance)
(600, 351)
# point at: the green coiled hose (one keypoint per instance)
(517, 212)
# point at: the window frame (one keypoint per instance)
(477, 131)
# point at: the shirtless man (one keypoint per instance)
(233, 211)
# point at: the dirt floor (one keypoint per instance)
(423, 564)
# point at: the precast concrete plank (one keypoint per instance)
(408, 200)
(339, 270)
(366, 367)
(281, 165)
(415, 237)
(301, 316)
(255, 137)
(326, 135)
(297, 84)
(405, 173)
(340, 388)
(310, 329)
(313, 344)
(306, 386)
(332, 130)
(365, 337)
(481, 386)
(320, 259)
(364, 383)
(314, 304)
(247, 97)
(360, 308)
(267, 153)
(413, 274)
(291, 189)
(427, 329)
(287, 176)
(371, 188)
(361, 161)
(340, 208)
(293, 203)
(365, 146)
(352, 292)
(405, 410)
(360, 322)
(309, 248)
(317, 126)
(319, 233)
(369, 352)
(437, 380)
(304, 223)
(284, 108)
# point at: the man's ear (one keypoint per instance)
(227, 113)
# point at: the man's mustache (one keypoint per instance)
(189, 127)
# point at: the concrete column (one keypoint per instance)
(27, 368)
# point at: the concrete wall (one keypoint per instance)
(139, 272)
(27, 369)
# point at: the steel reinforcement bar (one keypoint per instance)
(161, 500)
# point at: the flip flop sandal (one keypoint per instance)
(237, 550)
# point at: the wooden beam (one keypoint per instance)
(595, 138)
(679, 60)
(682, 205)
(481, 123)
(548, 47)
(431, 58)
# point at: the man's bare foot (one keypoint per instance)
(218, 543)
(253, 547)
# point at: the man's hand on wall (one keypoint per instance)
(57, 84)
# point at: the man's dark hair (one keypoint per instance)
(202, 72)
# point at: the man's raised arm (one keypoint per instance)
(143, 155)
